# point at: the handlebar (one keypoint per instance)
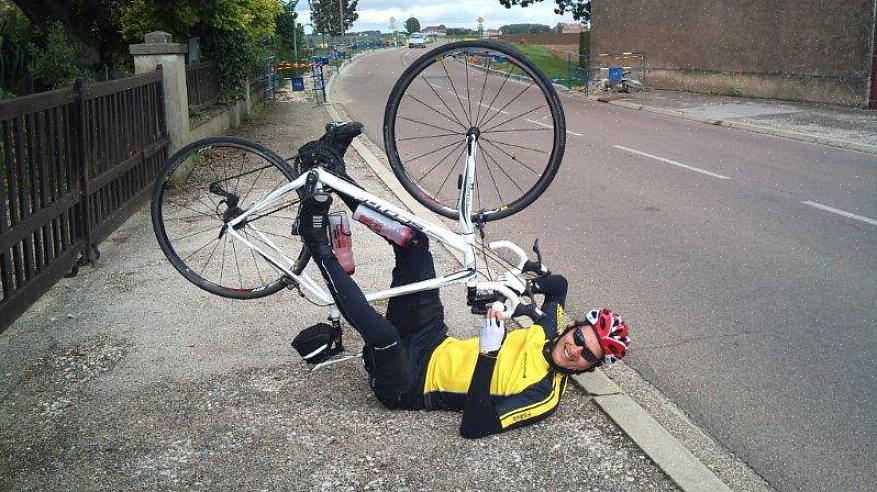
(524, 263)
(486, 294)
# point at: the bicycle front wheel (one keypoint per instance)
(205, 185)
(482, 87)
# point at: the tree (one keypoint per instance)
(326, 15)
(412, 25)
(290, 34)
(460, 31)
(392, 26)
(56, 65)
(524, 28)
(480, 23)
(580, 9)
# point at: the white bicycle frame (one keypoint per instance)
(464, 242)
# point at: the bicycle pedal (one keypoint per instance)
(337, 359)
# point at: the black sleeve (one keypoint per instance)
(554, 288)
(479, 417)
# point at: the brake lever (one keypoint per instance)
(536, 266)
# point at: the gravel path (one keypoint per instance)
(129, 378)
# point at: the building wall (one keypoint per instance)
(810, 50)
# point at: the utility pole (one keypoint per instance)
(341, 16)
(294, 40)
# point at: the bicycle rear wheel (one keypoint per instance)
(204, 186)
(475, 86)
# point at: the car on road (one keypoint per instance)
(417, 40)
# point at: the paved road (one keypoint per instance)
(752, 296)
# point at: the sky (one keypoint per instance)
(375, 14)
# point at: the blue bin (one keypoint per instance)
(499, 59)
(324, 60)
(298, 83)
(616, 74)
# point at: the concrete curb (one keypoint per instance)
(805, 137)
(666, 451)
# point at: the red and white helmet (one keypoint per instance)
(611, 332)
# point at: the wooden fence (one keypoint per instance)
(74, 164)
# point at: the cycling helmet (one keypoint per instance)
(611, 332)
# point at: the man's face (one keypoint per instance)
(568, 355)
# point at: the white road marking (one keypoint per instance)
(550, 126)
(492, 108)
(461, 97)
(860, 218)
(668, 161)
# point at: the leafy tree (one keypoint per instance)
(325, 14)
(56, 64)
(524, 28)
(290, 34)
(393, 28)
(412, 25)
(580, 9)
(16, 35)
(460, 31)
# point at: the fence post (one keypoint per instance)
(82, 157)
(158, 50)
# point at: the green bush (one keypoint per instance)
(56, 64)
(237, 53)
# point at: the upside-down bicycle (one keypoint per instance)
(474, 115)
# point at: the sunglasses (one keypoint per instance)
(579, 339)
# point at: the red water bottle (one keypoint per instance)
(394, 231)
(341, 239)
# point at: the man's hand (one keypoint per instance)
(492, 332)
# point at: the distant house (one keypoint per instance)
(492, 33)
(573, 27)
(435, 31)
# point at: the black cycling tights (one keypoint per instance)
(414, 320)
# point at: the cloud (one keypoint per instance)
(375, 14)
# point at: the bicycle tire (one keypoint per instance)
(446, 206)
(204, 164)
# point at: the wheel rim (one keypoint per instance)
(209, 186)
(494, 92)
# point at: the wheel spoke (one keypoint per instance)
(425, 123)
(202, 231)
(490, 173)
(521, 130)
(495, 96)
(502, 170)
(525, 113)
(507, 104)
(437, 193)
(234, 252)
(512, 157)
(443, 147)
(481, 97)
(438, 135)
(493, 142)
(427, 106)
(468, 94)
(439, 163)
(454, 88)
(255, 261)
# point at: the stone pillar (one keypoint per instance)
(159, 50)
